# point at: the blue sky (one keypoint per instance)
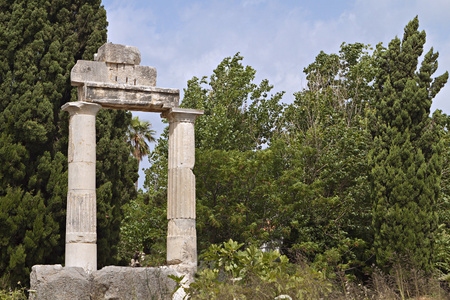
(278, 39)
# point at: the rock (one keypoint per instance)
(133, 283)
(69, 283)
(53, 282)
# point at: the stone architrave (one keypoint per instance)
(181, 234)
(81, 219)
(116, 81)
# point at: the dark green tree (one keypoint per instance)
(405, 159)
(117, 171)
(40, 41)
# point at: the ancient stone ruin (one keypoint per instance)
(115, 80)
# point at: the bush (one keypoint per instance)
(230, 273)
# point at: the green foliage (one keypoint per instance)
(251, 273)
(238, 200)
(156, 195)
(139, 132)
(307, 190)
(156, 175)
(322, 158)
(406, 158)
(238, 114)
(240, 117)
(116, 175)
(144, 229)
(443, 210)
(299, 177)
(18, 294)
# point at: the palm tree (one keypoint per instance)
(139, 132)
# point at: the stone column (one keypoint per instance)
(81, 220)
(181, 234)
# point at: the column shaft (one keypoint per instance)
(181, 235)
(81, 220)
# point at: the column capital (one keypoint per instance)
(186, 115)
(79, 107)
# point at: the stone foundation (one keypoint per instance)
(55, 282)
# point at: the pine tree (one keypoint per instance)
(40, 41)
(405, 161)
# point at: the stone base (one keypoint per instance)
(60, 283)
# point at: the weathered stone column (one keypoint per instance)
(181, 235)
(81, 220)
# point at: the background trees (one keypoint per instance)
(320, 178)
(323, 149)
(292, 177)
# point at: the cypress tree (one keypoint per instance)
(40, 41)
(405, 160)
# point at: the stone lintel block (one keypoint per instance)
(86, 70)
(116, 53)
(140, 98)
(108, 72)
(181, 194)
(181, 242)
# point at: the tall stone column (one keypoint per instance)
(181, 235)
(81, 220)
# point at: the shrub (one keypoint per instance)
(230, 273)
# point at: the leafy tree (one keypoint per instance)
(322, 156)
(144, 229)
(239, 199)
(238, 114)
(239, 118)
(405, 160)
(40, 41)
(307, 190)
